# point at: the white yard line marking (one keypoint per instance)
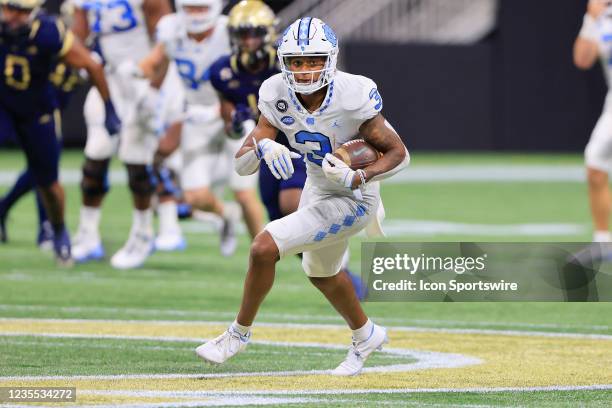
(284, 316)
(414, 174)
(313, 326)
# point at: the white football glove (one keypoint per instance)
(340, 173)
(277, 157)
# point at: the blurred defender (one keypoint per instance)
(122, 31)
(194, 38)
(31, 43)
(318, 109)
(594, 42)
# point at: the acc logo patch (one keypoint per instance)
(282, 105)
(234, 84)
(288, 120)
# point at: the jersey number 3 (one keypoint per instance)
(325, 147)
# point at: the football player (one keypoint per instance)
(237, 79)
(318, 109)
(64, 79)
(122, 32)
(30, 45)
(594, 42)
(195, 37)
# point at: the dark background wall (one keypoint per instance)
(516, 90)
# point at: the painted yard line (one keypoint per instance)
(311, 326)
(403, 227)
(180, 394)
(414, 174)
(282, 316)
(400, 227)
(207, 402)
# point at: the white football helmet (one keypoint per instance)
(199, 22)
(308, 37)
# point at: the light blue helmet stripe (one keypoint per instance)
(304, 31)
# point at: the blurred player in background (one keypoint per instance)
(194, 38)
(237, 79)
(122, 32)
(318, 109)
(594, 42)
(65, 79)
(168, 125)
(30, 47)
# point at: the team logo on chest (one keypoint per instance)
(282, 105)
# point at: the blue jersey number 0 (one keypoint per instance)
(324, 145)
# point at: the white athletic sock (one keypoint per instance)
(90, 220)
(602, 236)
(363, 333)
(243, 330)
(142, 220)
(168, 218)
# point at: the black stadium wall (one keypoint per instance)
(516, 90)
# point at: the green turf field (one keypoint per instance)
(129, 336)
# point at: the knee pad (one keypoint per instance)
(141, 179)
(166, 186)
(95, 177)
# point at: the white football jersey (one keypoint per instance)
(194, 59)
(350, 101)
(119, 27)
(171, 103)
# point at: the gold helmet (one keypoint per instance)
(23, 4)
(252, 18)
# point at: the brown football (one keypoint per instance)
(357, 154)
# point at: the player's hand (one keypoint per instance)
(277, 157)
(337, 171)
(596, 8)
(241, 114)
(112, 123)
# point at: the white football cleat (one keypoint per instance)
(229, 242)
(227, 345)
(359, 352)
(170, 242)
(135, 251)
(87, 247)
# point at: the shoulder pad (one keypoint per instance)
(269, 89)
(354, 91)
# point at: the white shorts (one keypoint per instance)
(137, 142)
(321, 227)
(208, 158)
(598, 152)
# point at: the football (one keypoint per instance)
(357, 154)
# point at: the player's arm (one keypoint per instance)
(238, 119)
(586, 48)
(154, 10)
(77, 56)
(248, 156)
(155, 65)
(170, 141)
(80, 26)
(227, 107)
(379, 133)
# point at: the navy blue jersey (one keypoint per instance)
(27, 60)
(236, 84)
(65, 79)
(239, 86)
